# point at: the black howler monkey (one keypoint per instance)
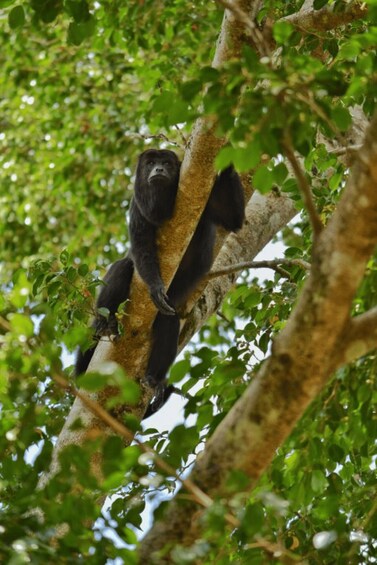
(156, 184)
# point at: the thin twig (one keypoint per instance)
(304, 186)
(344, 150)
(183, 137)
(221, 315)
(308, 99)
(157, 136)
(275, 550)
(5, 324)
(275, 265)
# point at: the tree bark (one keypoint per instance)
(310, 20)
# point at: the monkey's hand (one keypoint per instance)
(161, 300)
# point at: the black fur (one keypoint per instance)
(156, 185)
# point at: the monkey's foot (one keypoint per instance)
(109, 327)
(162, 394)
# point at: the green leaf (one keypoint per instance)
(209, 74)
(173, 109)
(105, 312)
(78, 9)
(47, 10)
(112, 447)
(336, 452)
(130, 392)
(327, 507)
(224, 158)
(318, 4)
(293, 252)
(16, 17)
(349, 50)
(263, 342)
(19, 295)
(253, 518)
(282, 31)
(80, 31)
(179, 370)
(318, 481)
(335, 180)
(129, 536)
(251, 57)
(293, 461)
(364, 393)
(64, 257)
(190, 89)
(341, 117)
(92, 381)
(263, 179)
(83, 270)
(252, 299)
(247, 158)
(22, 325)
(280, 173)
(71, 274)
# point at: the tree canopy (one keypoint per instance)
(275, 460)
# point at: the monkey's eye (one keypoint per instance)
(150, 163)
(166, 163)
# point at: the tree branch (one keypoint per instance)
(247, 21)
(301, 360)
(358, 339)
(275, 264)
(309, 20)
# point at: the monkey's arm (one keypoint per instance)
(144, 254)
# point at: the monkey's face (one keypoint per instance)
(160, 167)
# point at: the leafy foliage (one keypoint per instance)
(85, 86)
